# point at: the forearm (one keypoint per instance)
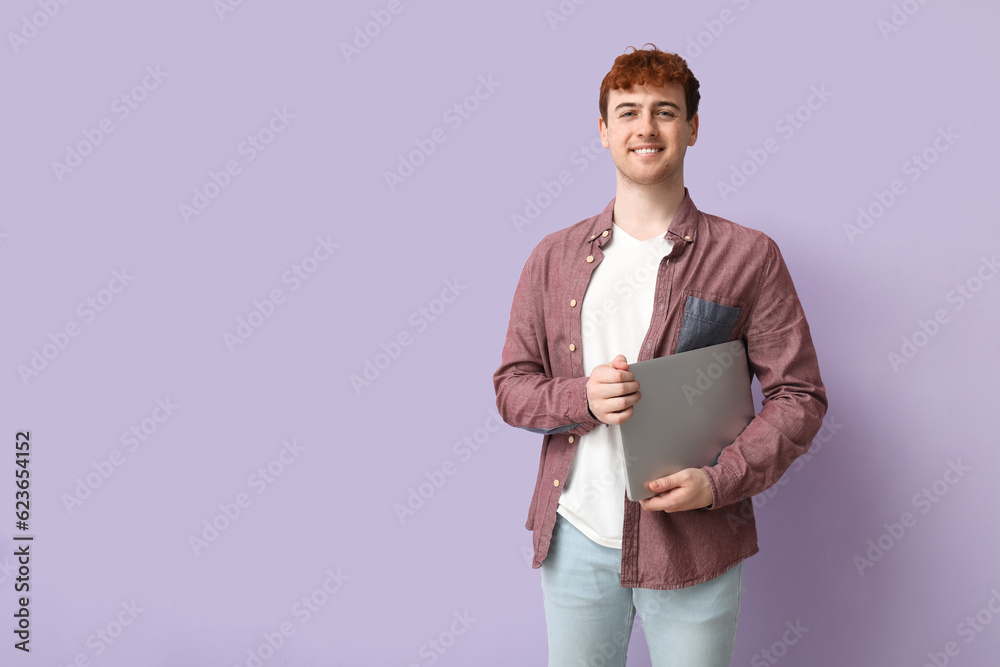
(778, 435)
(780, 353)
(531, 400)
(530, 395)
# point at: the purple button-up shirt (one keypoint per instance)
(721, 282)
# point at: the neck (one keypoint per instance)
(646, 211)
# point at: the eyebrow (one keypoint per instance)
(657, 104)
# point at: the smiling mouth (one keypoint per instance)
(646, 151)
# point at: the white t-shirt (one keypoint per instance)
(615, 317)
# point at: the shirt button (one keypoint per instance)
(572, 439)
(572, 348)
(687, 238)
(604, 233)
(590, 258)
(593, 237)
(572, 303)
(555, 482)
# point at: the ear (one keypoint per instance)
(694, 131)
(603, 129)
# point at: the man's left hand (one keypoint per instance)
(685, 490)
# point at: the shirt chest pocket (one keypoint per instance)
(705, 323)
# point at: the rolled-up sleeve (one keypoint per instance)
(781, 354)
(530, 392)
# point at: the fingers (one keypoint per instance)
(654, 504)
(614, 397)
(684, 490)
(614, 410)
(674, 500)
(607, 390)
(612, 391)
(618, 416)
(685, 478)
(623, 402)
(663, 484)
(606, 373)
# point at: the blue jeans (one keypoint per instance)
(589, 615)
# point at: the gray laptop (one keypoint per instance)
(693, 404)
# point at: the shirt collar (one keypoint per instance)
(683, 229)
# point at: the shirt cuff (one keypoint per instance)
(715, 474)
(581, 409)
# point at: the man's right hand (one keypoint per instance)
(612, 391)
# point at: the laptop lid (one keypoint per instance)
(693, 404)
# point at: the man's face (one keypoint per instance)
(644, 118)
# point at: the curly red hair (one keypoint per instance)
(651, 67)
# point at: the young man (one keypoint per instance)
(649, 276)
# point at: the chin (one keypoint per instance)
(651, 179)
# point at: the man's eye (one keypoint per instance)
(627, 113)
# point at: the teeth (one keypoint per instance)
(647, 151)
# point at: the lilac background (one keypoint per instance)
(465, 551)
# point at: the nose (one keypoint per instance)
(647, 128)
